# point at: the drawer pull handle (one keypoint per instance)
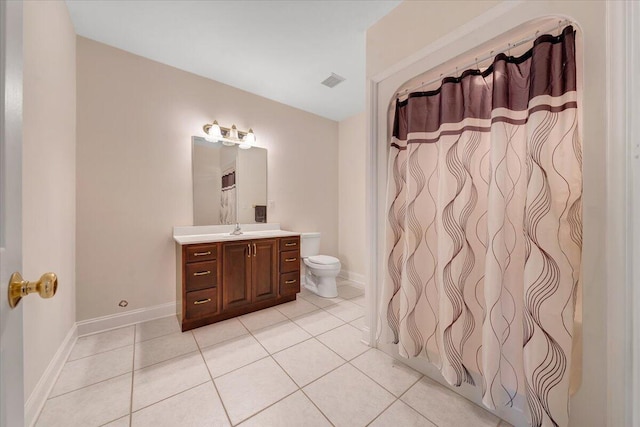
(290, 259)
(202, 273)
(291, 244)
(254, 250)
(249, 252)
(288, 282)
(202, 253)
(202, 301)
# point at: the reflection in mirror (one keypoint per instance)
(229, 184)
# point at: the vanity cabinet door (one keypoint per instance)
(236, 271)
(264, 269)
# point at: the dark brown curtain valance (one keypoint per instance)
(548, 68)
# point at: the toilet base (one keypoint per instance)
(322, 286)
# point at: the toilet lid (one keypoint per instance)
(323, 260)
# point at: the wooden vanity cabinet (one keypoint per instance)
(198, 295)
(249, 272)
(223, 280)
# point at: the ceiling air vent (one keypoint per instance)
(333, 80)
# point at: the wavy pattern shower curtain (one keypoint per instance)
(484, 230)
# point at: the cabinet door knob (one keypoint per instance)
(202, 301)
(202, 273)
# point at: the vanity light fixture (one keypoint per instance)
(229, 136)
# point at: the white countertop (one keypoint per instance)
(220, 233)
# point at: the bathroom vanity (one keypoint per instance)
(219, 275)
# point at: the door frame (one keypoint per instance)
(622, 191)
(11, 75)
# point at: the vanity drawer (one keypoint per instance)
(289, 243)
(200, 275)
(202, 303)
(289, 261)
(201, 252)
(290, 283)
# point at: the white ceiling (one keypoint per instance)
(281, 50)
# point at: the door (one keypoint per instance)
(236, 274)
(263, 269)
(11, 377)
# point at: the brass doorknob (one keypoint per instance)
(18, 287)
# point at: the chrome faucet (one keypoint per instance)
(237, 231)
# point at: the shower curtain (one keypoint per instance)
(484, 228)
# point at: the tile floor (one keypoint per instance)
(297, 364)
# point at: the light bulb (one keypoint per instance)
(214, 133)
(233, 133)
(248, 140)
(250, 137)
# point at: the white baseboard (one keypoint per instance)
(357, 278)
(36, 401)
(113, 321)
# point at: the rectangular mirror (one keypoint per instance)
(229, 184)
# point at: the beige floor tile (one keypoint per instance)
(120, 422)
(232, 354)
(162, 380)
(347, 397)
(196, 407)
(157, 328)
(307, 361)
(318, 322)
(262, 319)
(278, 337)
(446, 408)
(104, 341)
(219, 332)
(90, 406)
(163, 348)
(296, 308)
(248, 390)
(345, 340)
(359, 300)
(400, 414)
(320, 301)
(92, 369)
(346, 310)
(294, 410)
(358, 323)
(391, 374)
(346, 291)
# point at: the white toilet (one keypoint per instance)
(321, 270)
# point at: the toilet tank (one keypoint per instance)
(309, 244)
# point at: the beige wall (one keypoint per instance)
(351, 207)
(588, 405)
(48, 180)
(135, 122)
(413, 25)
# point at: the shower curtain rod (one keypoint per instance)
(490, 55)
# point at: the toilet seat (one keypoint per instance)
(323, 260)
